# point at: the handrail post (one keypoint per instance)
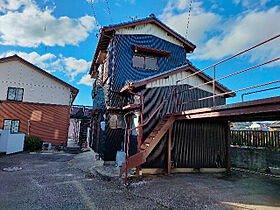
(214, 85)
(176, 99)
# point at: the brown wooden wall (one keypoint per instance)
(49, 122)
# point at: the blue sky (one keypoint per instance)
(60, 35)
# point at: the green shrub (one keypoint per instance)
(32, 143)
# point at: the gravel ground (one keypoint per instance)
(53, 181)
(210, 191)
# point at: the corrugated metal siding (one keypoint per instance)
(49, 122)
(150, 29)
(114, 138)
(99, 101)
(113, 99)
(153, 97)
(195, 144)
(123, 58)
(192, 81)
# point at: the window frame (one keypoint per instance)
(145, 56)
(16, 92)
(117, 123)
(12, 120)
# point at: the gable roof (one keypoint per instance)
(108, 31)
(17, 58)
(185, 67)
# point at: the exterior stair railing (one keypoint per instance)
(213, 96)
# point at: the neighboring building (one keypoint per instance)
(33, 101)
(145, 58)
(274, 126)
(80, 117)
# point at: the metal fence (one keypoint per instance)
(255, 138)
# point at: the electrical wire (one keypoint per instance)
(188, 19)
(94, 15)
(109, 10)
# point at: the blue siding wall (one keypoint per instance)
(124, 71)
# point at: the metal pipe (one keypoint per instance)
(214, 84)
(221, 94)
(244, 70)
(240, 53)
(176, 99)
(28, 127)
(149, 119)
(273, 88)
(127, 155)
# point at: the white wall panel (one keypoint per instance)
(15, 143)
(150, 29)
(171, 80)
(38, 88)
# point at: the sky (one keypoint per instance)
(60, 36)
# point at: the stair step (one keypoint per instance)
(148, 140)
(149, 144)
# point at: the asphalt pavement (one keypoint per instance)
(48, 181)
(61, 180)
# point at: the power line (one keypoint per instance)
(109, 10)
(189, 16)
(94, 15)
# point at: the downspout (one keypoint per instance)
(68, 117)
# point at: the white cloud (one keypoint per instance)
(74, 67)
(251, 3)
(12, 5)
(47, 61)
(71, 66)
(86, 80)
(217, 37)
(201, 22)
(24, 24)
(254, 27)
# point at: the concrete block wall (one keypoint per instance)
(253, 158)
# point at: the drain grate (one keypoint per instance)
(11, 169)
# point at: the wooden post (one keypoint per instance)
(228, 149)
(169, 151)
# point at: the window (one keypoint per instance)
(116, 121)
(145, 62)
(138, 61)
(15, 94)
(150, 63)
(12, 125)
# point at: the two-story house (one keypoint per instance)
(136, 67)
(33, 101)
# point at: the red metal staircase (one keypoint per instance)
(149, 144)
(166, 122)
